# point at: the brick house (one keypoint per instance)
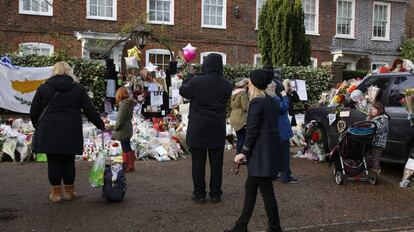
(409, 32)
(87, 29)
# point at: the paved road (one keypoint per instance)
(158, 199)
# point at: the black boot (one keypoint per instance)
(274, 229)
(238, 228)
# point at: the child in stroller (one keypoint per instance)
(348, 155)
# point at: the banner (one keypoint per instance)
(18, 86)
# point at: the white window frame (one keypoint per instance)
(256, 57)
(316, 31)
(223, 55)
(114, 10)
(387, 35)
(352, 35)
(315, 62)
(170, 22)
(39, 13)
(379, 63)
(155, 52)
(258, 12)
(224, 15)
(38, 45)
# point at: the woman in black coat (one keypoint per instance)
(261, 150)
(56, 113)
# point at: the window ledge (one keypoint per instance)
(344, 37)
(214, 27)
(313, 33)
(101, 18)
(161, 23)
(381, 39)
(34, 13)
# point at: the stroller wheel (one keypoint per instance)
(372, 178)
(339, 177)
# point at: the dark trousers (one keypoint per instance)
(373, 158)
(126, 145)
(61, 167)
(198, 157)
(240, 139)
(266, 189)
(286, 160)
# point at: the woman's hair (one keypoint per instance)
(254, 91)
(380, 107)
(63, 68)
(271, 89)
(121, 94)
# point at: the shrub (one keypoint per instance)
(407, 51)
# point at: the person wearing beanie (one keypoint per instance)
(239, 103)
(261, 152)
(206, 134)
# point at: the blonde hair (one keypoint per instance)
(63, 68)
(271, 89)
(254, 91)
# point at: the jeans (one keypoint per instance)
(241, 134)
(198, 158)
(61, 167)
(266, 189)
(286, 160)
(126, 145)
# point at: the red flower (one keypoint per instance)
(384, 69)
(351, 89)
(315, 137)
(115, 145)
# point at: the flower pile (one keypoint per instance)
(408, 103)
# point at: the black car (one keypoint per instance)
(400, 142)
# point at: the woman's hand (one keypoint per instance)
(240, 158)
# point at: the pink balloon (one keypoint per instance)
(189, 55)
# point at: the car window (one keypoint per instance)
(381, 82)
(400, 84)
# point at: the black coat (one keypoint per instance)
(60, 129)
(262, 144)
(293, 98)
(209, 94)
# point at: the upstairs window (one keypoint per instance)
(214, 14)
(381, 21)
(259, 5)
(311, 21)
(345, 18)
(161, 11)
(36, 7)
(40, 49)
(101, 9)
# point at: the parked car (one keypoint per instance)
(400, 142)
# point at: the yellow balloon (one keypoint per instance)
(135, 52)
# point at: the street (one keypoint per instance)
(159, 199)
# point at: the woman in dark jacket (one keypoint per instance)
(261, 150)
(56, 114)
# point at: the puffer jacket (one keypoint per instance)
(239, 106)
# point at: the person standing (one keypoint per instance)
(56, 113)
(123, 127)
(261, 151)
(239, 105)
(206, 133)
(293, 98)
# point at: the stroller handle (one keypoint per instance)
(365, 122)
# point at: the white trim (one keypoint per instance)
(114, 11)
(379, 63)
(32, 45)
(170, 22)
(256, 57)
(257, 12)
(39, 13)
(316, 31)
(387, 35)
(352, 30)
(224, 15)
(223, 55)
(315, 62)
(155, 52)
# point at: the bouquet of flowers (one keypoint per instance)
(372, 93)
(408, 103)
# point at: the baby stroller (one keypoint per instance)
(348, 155)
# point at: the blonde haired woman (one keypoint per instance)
(56, 113)
(261, 151)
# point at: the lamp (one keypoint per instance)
(141, 34)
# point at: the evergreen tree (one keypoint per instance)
(281, 35)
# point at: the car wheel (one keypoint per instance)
(339, 178)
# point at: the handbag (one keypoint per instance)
(33, 144)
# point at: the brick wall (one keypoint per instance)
(409, 32)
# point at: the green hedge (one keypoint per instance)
(407, 49)
(317, 80)
(348, 74)
(90, 74)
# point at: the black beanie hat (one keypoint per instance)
(260, 78)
